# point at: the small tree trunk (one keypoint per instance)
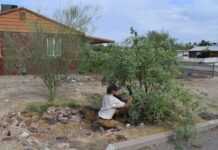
(51, 94)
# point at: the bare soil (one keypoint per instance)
(206, 88)
(16, 92)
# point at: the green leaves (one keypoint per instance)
(147, 63)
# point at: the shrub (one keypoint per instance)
(67, 103)
(38, 107)
(147, 64)
(42, 107)
(205, 54)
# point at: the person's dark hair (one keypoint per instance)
(112, 87)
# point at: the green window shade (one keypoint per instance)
(50, 46)
(58, 47)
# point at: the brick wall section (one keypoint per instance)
(1, 51)
(22, 38)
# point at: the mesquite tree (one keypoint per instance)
(47, 51)
(147, 64)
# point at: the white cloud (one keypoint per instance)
(186, 20)
(189, 21)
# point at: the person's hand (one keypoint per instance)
(129, 98)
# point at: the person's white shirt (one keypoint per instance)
(109, 105)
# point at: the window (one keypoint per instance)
(22, 16)
(53, 47)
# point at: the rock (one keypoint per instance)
(75, 119)
(52, 110)
(208, 116)
(9, 121)
(27, 121)
(22, 124)
(141, 124)
(15, 122)
(128, 125)
(7, 100)
(50, 119)
(11, 115)
(36, 141)
(33, 130)
(35, 117)
(62, 139)
(196, 143)
(96, 127)
(73, 81)
(118, 128)
(63, 120)
(19, 114)
(63, 146)
(4, 124)
(27, 146)
(66, 112)
(88, 133)
(74, 111)
(9, 139)
(120, 137)
(24, 135)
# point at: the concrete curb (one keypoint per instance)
(158, 138)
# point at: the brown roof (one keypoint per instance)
(10, 25)
(98, 40)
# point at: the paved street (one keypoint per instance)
(207, 140)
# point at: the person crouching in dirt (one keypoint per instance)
(110, 106)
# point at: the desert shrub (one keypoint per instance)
(92, 58)
(67, 103)
(42, 107)
(205, 54)
(37, 107)
(94, 100)
(147, 64)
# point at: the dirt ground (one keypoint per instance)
(206, 88)
(18, 91)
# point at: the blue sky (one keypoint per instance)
(185, 20)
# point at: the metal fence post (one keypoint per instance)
(213, 69)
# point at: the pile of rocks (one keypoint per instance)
(52, 116)
(17, 119)
(21, 129)
(63, 115)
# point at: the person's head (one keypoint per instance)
(112, 89)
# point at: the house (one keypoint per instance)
(196, 51)
(14, 20)
(182, 53)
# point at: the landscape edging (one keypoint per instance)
(158, 138)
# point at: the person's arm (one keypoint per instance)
(128, 103)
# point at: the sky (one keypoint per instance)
(185, 20)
